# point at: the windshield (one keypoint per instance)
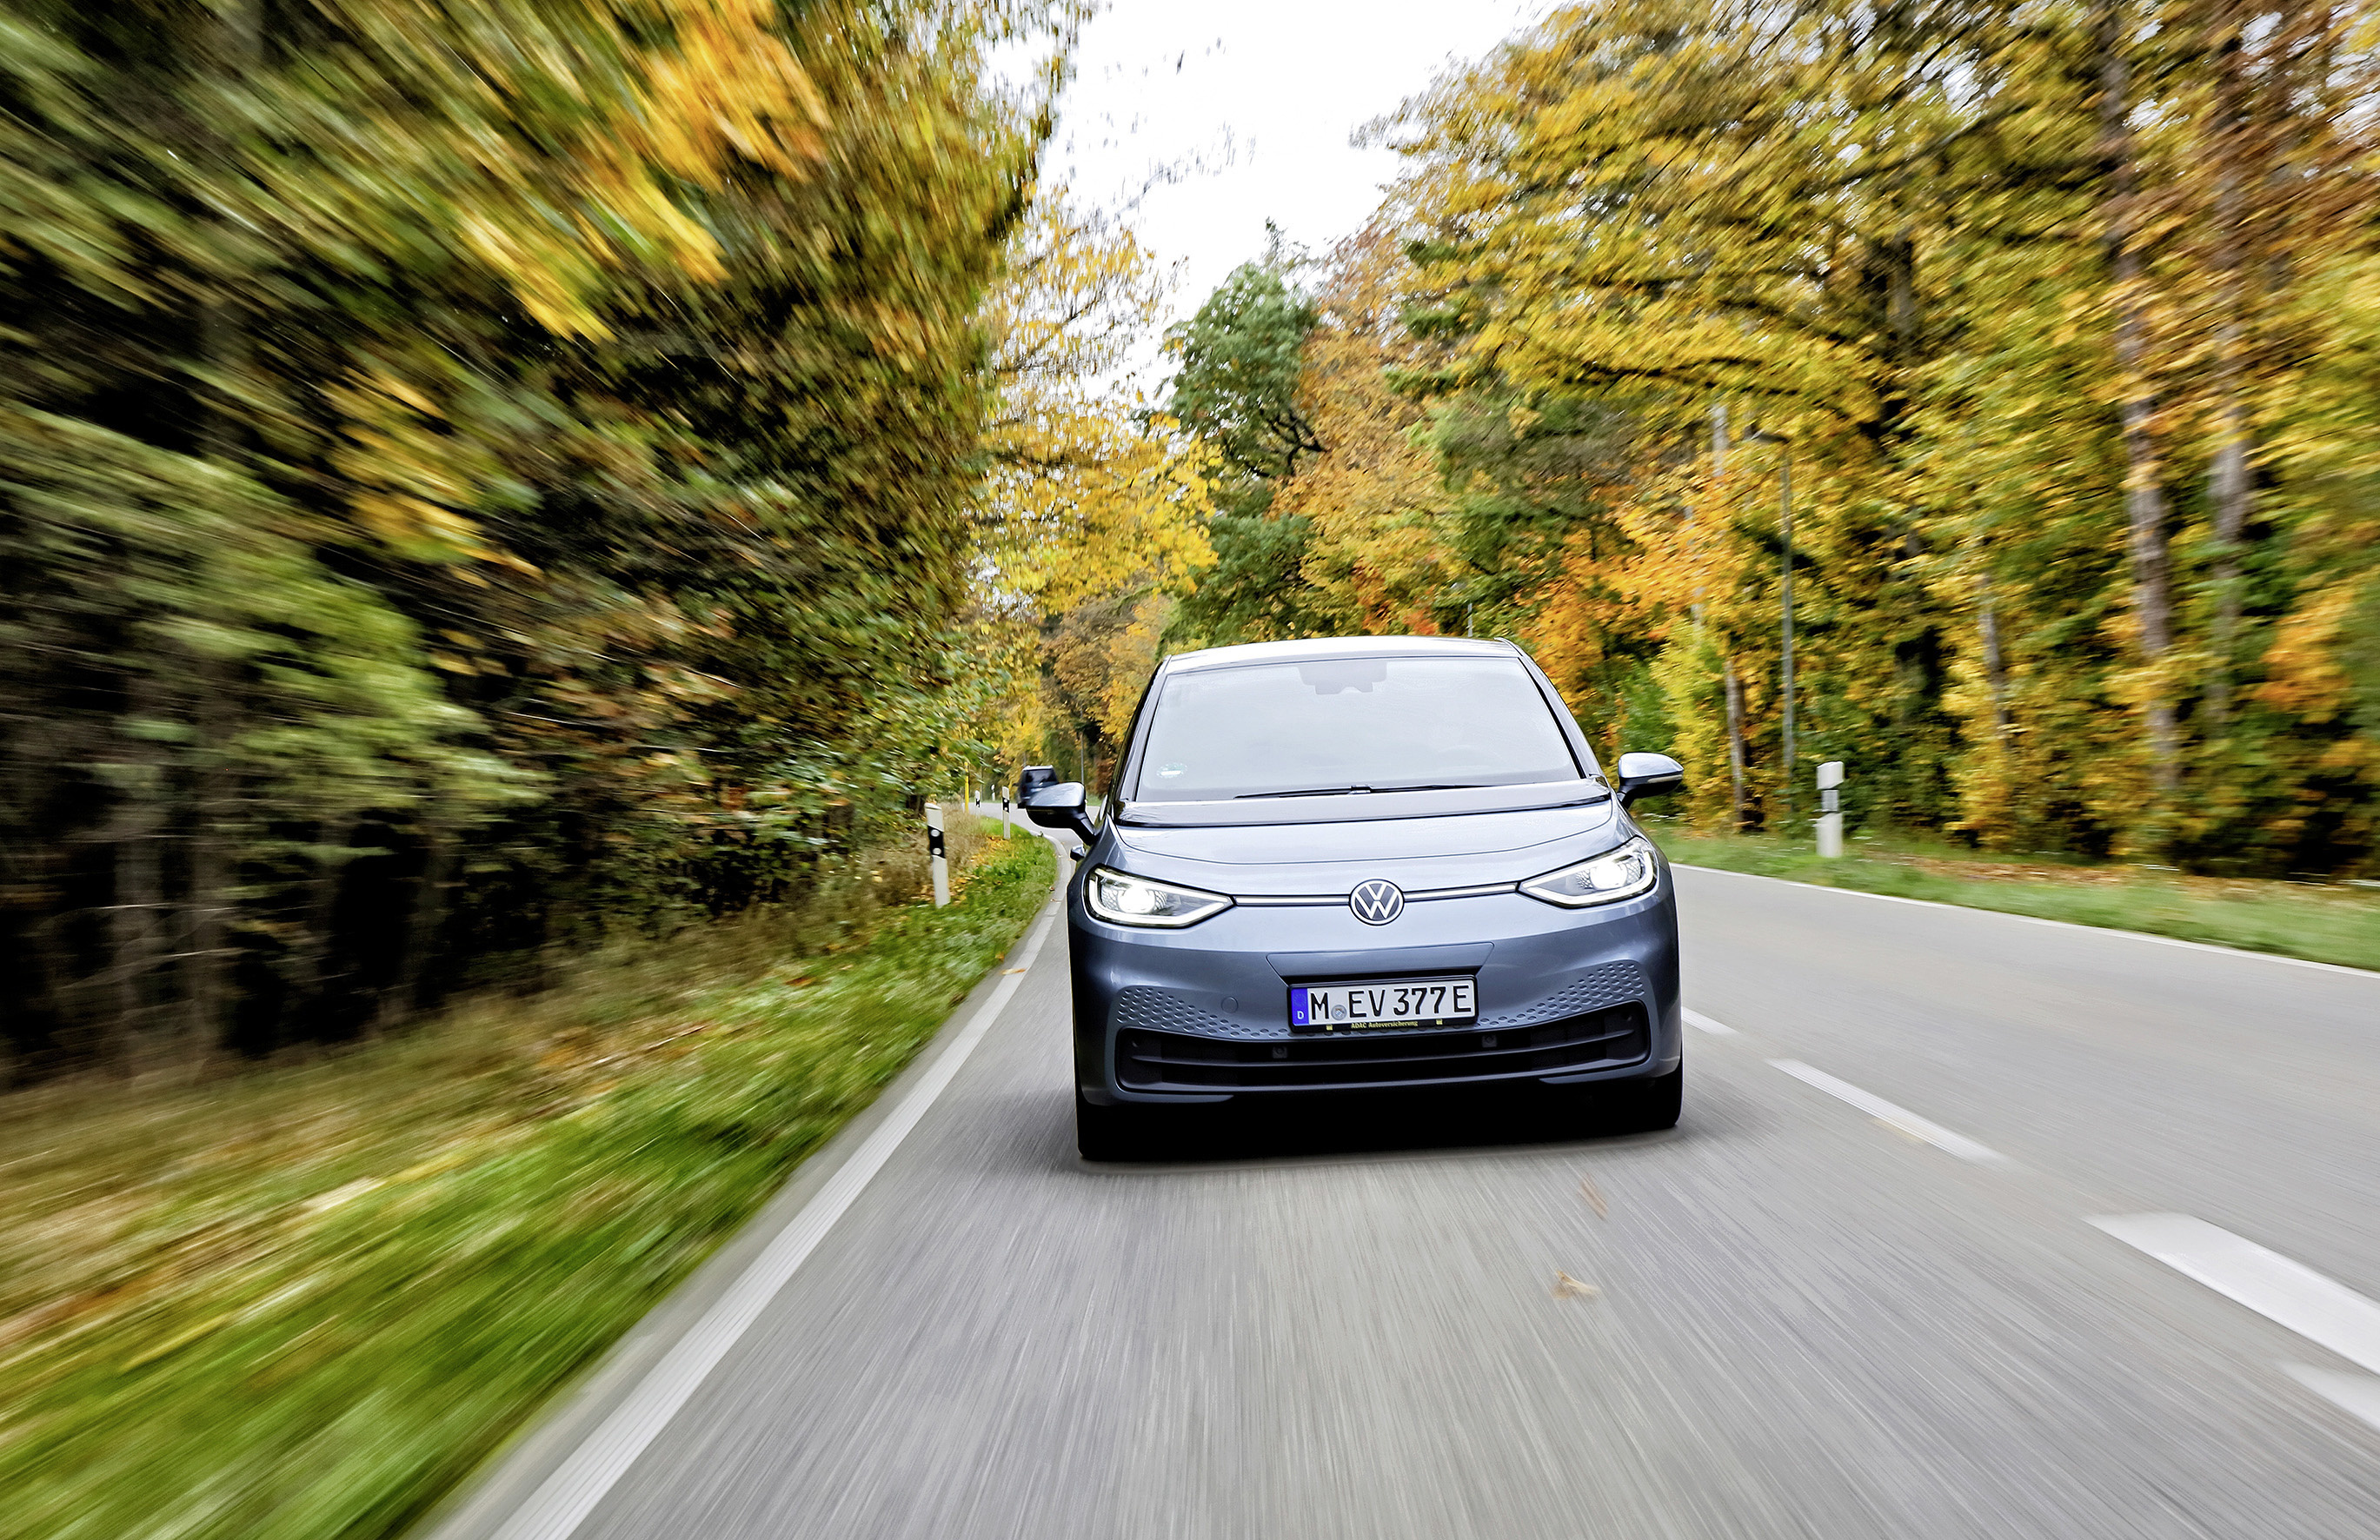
(1376, 724)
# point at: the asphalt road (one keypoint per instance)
(1793, 1316)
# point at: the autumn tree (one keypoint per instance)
(2048, 313)
(1097, 505)
(524, 441)
(1239, 362)
(1372, 500)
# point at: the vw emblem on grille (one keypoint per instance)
(1376, 901)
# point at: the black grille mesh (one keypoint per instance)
(1608, 984)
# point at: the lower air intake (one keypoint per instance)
(1150, 1060)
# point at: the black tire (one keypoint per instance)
(1650, 1105)
(1108, 1133)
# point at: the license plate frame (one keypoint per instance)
(1456, 1006)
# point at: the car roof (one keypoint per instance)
(1316, 647)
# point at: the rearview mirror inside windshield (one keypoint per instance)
(1355, 674)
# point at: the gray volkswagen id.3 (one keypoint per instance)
(1362, 864)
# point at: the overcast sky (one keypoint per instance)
(1263, 94)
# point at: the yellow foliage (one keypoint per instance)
(1091, 493)
(2305, 674)
(1374, 492)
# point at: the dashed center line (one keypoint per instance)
(1897, 1116)
(2283, 1292)
(2272, 1285)
(2351, 1392)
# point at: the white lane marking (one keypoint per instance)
(2275, 1287)
(1716, 1029)
(2358, 1394)
(557, 1508)
(1899, 1117)
(2062, 925)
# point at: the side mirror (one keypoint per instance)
(1055, 805)
(1644, 775)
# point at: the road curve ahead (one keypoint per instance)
(1973, 1227)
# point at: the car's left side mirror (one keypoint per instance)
(1644, 775)
(1057, 804)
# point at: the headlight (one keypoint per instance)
(1122, 900)
(1627, 872)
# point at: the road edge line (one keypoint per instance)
(507, 1480)
(570, 1492)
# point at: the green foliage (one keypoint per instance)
(1237, 384)
(1237, 388)
(1534, 476)
(1257, 590)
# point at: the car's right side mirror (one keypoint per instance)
(1054, 804)
(1644, 775)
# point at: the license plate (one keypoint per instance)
(1405, 1002)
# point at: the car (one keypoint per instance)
(1355, 866)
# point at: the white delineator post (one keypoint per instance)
(934, 853)
(1830, 808)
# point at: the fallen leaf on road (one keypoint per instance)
(1016, 970)
(1569, 1287)
(1587, 1190)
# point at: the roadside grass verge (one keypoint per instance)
(304, 1302)
(2321, 923)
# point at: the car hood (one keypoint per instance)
(1415, 853)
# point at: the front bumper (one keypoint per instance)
(1202, 1015)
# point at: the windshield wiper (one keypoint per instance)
(1348, 791)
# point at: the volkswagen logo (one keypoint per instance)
(1376, 901)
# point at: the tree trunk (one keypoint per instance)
(134, 834)
(423, 915)
(206, 956)
(216, 682)
(2145, 502)
(2228, 484)
(1733, 685)
(1994, 665)
(321, 937)
(1735, 745)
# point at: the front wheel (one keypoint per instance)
(1108, 1133)
(1651, 1104)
